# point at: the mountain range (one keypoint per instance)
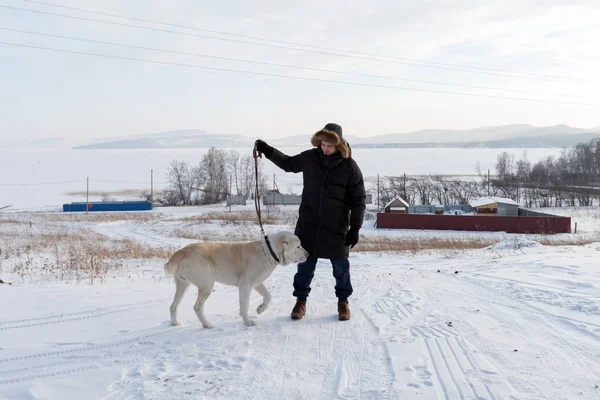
(517, 135)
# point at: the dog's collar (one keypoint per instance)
(271, 249)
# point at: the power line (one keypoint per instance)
(510, 75)
(296, 43)
(285, 65)
(296, 77)
(40, 183)
(75, 181)
(108, 181)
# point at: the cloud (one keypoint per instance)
(550, 38)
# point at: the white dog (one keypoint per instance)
(245, 265)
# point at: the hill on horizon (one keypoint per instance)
(516, 135)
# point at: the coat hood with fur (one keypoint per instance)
(328, 136)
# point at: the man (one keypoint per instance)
(331, 212)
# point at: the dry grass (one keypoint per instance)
(415, 245)
(212, 236)
(568, 240)
(247, 216)
(10, 221)
(66, 253)
(96, 216)
(111, 193)
(57, 246)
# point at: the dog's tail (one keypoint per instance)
(171, 265)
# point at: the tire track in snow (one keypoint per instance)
(455, 367)
(363, 371)
(530, 320)
(141, 356)
(103, 346)
(542, 319)
(333, 372)
(323, 358)
(452, 387)
(78, 316)
(130, 231)
(117, 358)
(53, 374)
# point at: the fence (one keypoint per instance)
(270, 199)
(108, 206)
(427, 209)
(236, 200)
(546, 224)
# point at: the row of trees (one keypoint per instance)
(571, 179)
(579, 165)
(218, 174)
(434, 189)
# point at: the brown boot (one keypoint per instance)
(299, 309)
(343, 310)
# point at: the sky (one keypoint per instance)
(545, 52)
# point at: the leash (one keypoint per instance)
(256, 154)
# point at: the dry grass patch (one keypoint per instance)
(415, 245)
(104, 193)
(212, 236)
(247, 216)
(95, 216)
(63, 253)
(10, 221)
(568, 241)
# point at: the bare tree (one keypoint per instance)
(216, 179)
(233, 168)
(523, 168)
(247, 176)
(183, 180)
(505, 166)
(421, 188)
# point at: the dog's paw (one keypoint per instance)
(261, 308)
(176, 323)
(208, 325)
(251, 322)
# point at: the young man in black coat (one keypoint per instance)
(331, 212)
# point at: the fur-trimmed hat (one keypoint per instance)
(332, 133)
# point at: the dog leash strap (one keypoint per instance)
(271, 249)
(256, 154)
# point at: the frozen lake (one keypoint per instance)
(39, 178)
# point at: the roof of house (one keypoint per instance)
(492, 200)
(399, 200)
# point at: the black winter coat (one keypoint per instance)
(333, 199)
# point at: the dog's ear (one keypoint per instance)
(282, 241)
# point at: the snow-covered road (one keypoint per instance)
(514, 321)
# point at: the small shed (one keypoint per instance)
(495, 206)
(236, 200)
(273, 197)
(396, 206)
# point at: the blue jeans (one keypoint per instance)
(306, 272)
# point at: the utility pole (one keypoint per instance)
(378, 192)
(229, 193)
(151, 186)
(405, 186)
(87, 195)
(488, 182)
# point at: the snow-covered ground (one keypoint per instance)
(515, 320)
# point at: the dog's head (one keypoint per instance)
(287, 247)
